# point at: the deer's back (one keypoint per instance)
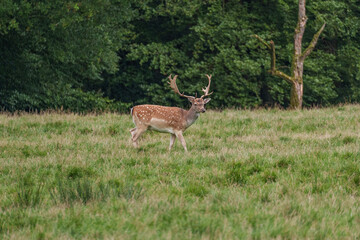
(159, 117)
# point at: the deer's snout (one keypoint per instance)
(203, 110)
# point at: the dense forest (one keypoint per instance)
(113, 54)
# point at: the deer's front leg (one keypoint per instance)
(181, 139)
(172, 140)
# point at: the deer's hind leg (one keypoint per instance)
(132, 131)
(172, 140)
(136, 133)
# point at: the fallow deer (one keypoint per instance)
(173, 120)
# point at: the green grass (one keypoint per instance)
(248, 175)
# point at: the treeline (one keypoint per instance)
(113, 54)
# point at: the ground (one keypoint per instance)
(248, 174)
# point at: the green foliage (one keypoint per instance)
(52, 53)
(64, 98)
(218, 41)
(96, 55)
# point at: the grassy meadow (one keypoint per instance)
(257, 174)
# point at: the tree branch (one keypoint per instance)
(282, 75)
(273, 71)
(262, 41)
(273, 56)
(313, 42)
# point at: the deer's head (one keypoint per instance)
(198, 104)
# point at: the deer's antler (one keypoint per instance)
(175, 88)
(206, 90)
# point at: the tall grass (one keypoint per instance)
(248, 175)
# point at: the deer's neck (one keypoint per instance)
(191, 117)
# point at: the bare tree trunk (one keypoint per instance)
(297, 67)
(296, 94)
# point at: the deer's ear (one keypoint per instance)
(191, 99)
(207, 100)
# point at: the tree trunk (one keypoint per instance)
(296, 95)
(297, 68)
